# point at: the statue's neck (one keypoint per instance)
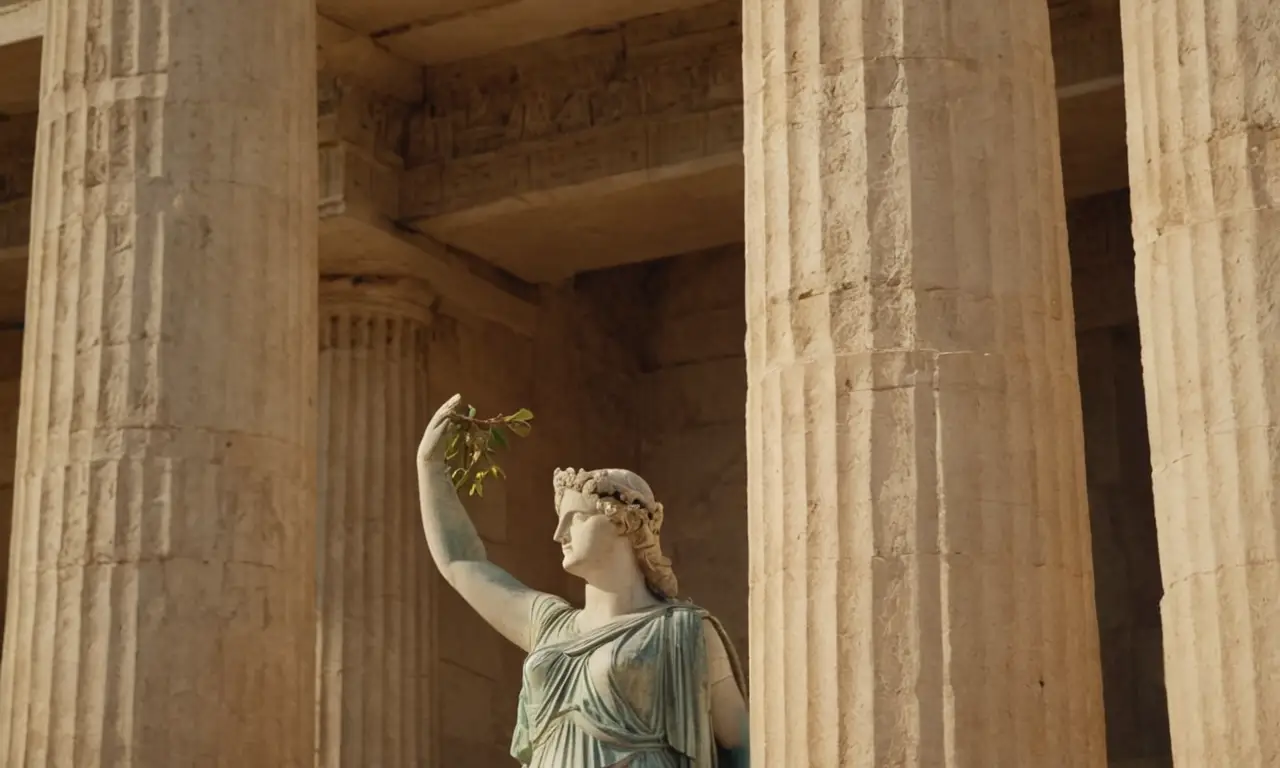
(608, 598)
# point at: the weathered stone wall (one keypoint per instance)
(362, 137)
(689, 399)
(1118, 467)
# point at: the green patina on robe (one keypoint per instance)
(634, 690)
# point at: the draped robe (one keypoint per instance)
(633, 692)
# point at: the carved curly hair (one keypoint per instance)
(627, 501)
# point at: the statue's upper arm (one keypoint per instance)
(728, 707)
(502, 601)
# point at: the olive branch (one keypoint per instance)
(473, 443)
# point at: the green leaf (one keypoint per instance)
(471, 411)
(521, 428)
(495, 434)
(524, 414)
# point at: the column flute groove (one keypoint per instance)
(921, 575)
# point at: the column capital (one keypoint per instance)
(377, 295)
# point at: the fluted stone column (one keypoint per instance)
(921, 578)
(161, 595)
(376, 644)
(1204, 164)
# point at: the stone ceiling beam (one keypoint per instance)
(345, 53)
(452, 30)
(643, 115)
(642, 99)
(658, 99)
(21, 21)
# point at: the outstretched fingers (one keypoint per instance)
(446, 409)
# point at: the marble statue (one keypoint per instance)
(635, 677)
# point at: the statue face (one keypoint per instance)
(587, 538)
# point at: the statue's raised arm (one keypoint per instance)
(456, 546)
(634, 678)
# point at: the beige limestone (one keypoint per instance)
(160, 605)
(920, 575)
(20, 20)
(1204, 158)
(376, 646)
(689, 398)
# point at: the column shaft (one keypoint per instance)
(376, 644)
(161, 596)
(1203, 105)
(921, 577)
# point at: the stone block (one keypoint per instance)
(465, 640)
(695, 395)
(466, 705)
(709, 334)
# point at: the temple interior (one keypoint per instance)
(607, 296)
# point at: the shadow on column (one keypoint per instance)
(17, 153)
(10, 367)
(1118, 466)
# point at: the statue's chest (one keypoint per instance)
(624, 671)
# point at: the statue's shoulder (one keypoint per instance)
(550, 618)
(690, 611)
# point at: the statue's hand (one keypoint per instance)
(429, 449)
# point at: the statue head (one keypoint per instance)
(607, 512)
